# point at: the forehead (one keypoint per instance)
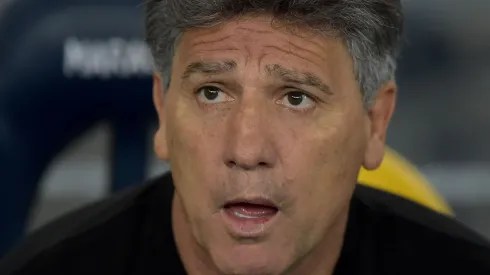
(259, 36)
(255, 45)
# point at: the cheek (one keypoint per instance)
(324, 162)
(189, 134)
(194, 150)
(183, 138)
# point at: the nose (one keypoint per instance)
(250, 141)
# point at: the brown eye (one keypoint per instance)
(297, 100)
(211, 94)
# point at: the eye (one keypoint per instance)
(211, 94)
(298, 101)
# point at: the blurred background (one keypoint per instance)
(76, 120)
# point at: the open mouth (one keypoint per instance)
(252, 210)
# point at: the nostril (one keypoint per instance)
(231, 164)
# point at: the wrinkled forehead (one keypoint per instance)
(253, 24)
(231, 46)
(255, 36)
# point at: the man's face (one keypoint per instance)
(265, 132)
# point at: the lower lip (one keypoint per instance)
(247, 227)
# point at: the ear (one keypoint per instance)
(160, 140)
(379, 115)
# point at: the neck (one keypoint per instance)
(321, 260)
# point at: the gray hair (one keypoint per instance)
(371, 29)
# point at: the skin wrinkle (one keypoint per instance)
(300, 50)
(288, 75)
(205, 42)
(296, 48)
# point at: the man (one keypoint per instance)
(268, 109)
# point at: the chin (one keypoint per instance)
(250, 259)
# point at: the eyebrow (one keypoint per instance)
(274, 70)
(293, 76)
(208, 68)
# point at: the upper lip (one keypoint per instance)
(255, 200)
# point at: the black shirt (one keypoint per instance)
(130, 233)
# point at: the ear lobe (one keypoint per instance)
(379, 116)
(374, 154)
(160, 145)
(160, 140)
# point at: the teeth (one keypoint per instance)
(240, 215)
